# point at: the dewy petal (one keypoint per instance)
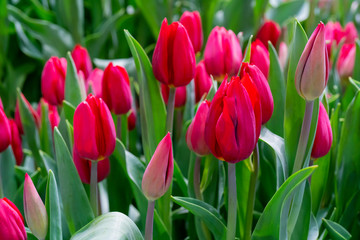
(160, 55)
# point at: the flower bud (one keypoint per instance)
(195, 135)
(11, 221)
(159, 172)
(5, 130)
(202, 81)
(269, 31)
(82, 60)
(53, 114)
(346, 61)
(116, 89)
(18, 117)
(131, 119)
(222, 53)
(260, 57)
(180, 95)
(53, 80)
(323, 137)
(192, 22)
(174, 57)
(95, 82)
(16, 145)
(312, 72)
(94, 130)
(35, 211)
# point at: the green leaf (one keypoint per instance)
(76, 206)
(113, 225)
(206, 212)
(208, 11)
(74, 94)
(238, 16)
(7, 174)
(356, 73)
(52, 204)
(286, 10)
(336, 231)
(152, 12)
(69, 111)
(247, 54)
(46, 139)
(268, 226)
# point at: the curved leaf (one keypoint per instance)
(52, 204)
(336, 231)
(74, 94)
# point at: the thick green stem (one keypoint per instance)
(149, 221)
(170, 110)
(304, 137)
(232, 200)
(197, 178)
(118, 127)
(94, 188)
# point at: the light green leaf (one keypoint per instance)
(74, 94)
(286, 10)
(52, 204)
(7, 174)
(336, 231)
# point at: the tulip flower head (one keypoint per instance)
(5, 130)
(18, 117)
(260, 57)
(346, 61)
(192, 22)
(53, 114)
(16, 145)
(131, 119)
(269, 31)
(159, 172)
(11, 221)
(202, 81)
(180, 95)
(82, 60)
(95, 82)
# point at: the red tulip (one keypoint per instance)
(323, 137)
(11, 221)
(116, 89)
(159, 172)
(202, 81)
(18, 117)
(260, 57)
(192, 22)
(53, 114)
(53, 80)
(5, 130)
(131, 119)
(174, 58)
(1, 104)
(16, 145)
(222, 53)
(82, 60)
(94, 130)
(346, 60)
(95, 81)
(180, 95)
(230, 130)
(269, 31)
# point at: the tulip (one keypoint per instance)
(312, 72)
(35, 115)
(116, 89)
(95, 81)
(35, 211)
(195, 135)
(230, 130)
(260, 57)
(11, 221)
(94, 130)
(83, 167)
(346, 61)
(159, 172)
(5, 130)
(202, 81)
(180, 95)
(192, 22)
(222, 53)
(53, 114)
(82, 60)
(323, 137)
(53, 80)
(16, 145)
(350, 33)
(283, 55)
(269, 31)
(131, 119)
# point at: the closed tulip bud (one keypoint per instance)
(260, 57)
(159, 172)
(5, 130)
(53, 114)
(94, 130)
(350, 33)
(323, 137)
(263, 88)
(174, 57)
(116, 89)
(312, 71)
(82, 60)
(131, 119)
(11, 221)
(269, 31)
(18, 117)
(180, 95)
(16, 145)
(83, 167)
(283, 55)
(202, 81)
(192, 22)
(95, 82)
(346, 60)
(195, 135)
(230, 130)
(222, 53)
(53, 80)
(35, 211)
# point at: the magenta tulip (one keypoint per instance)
(131, 119)
(82, 60)
(202, 81)
(16, 144)
(192, 22)
(260, 57)
(346, 60)
(5, 130)
(11, 221)
(95, 82)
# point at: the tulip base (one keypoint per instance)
(94, 187)
(149, 221)
(232, 202)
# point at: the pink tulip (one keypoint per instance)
(346, 61)
(11, 221)
(82, 60)
(269, 31)
(180, 95)
(16, 144)
(202, 81)
(260, 57)
(192, 22)
(350, 33)
(5, 130)
(53, 114)
(95, 82)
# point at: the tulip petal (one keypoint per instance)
(160, 56)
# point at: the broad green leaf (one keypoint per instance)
(76, 206)
(113, 225)
(314, 228)
(247, 54)
(74, 93)
(46, 139)
(69, 111)
(268, 226)
(356, 73)
(52, 204)
(8, 184)
(351, 211)
(206, 212)
(28, 47)
(336, 231)
(286, 10)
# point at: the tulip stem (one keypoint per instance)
(197, 178)
(304, 137)
(170, 110)
(118, 127)
(94, 188)
(149, 220)
(1, 186)
(232, 202)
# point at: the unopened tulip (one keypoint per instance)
(35, 211)
(94, 130)
(53, 80)
(35, 115)
(195, 135)
(269, 31)
(312, 72)
(159, 172)
(180, 95)
(116, 89)
(11, 221)
(202, 81)
(346, 60)
(95, 82)
(192, 22)
(82, 60)
(53, 114)
(230, 130)
(260, 57)
(5, 130)
(83, 166)
(174, 57)
(222, 53)
(350, 33)
(323, 137)
(131, 119)
(16, 145)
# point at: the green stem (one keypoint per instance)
(232, 199)
(304, 137)
(94, 187)
(170, 110)
(197, 178)
(118, 127)
(149, 221)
